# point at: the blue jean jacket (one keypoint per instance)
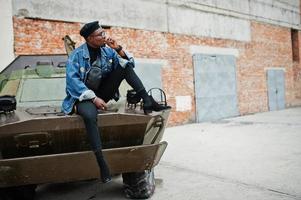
(77, 67)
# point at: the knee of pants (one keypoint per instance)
(90, 118)
(129, 65)
(88, 112)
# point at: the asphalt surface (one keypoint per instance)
(245, 158)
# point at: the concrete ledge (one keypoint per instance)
(194, 49)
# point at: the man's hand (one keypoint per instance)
(99, 103)
(112, 43)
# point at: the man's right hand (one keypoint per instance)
(99, 103)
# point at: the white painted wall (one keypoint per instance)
(6, 34)
(198, 49)
(194, 22)
(149, 15)
(280, 12)
(227, 19)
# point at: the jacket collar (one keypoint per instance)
(86, 51)
(86, 54)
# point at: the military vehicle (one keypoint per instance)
(39, 144)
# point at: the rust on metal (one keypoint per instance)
(66, 167)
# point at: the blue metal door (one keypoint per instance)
(150, 75)
(276, 89)
(215, 87)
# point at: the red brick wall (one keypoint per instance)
(270, 46)
(32, 36)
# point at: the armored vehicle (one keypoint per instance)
(39, 144)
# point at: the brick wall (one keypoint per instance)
(270, 47)
(32, 36)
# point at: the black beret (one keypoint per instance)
(89, 28)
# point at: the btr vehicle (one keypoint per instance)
(39, 144)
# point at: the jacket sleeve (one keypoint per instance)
(124, 61)
(74, 84)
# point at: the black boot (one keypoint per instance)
(104, 169)
(149, 105)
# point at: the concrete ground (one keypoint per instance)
(244, 158)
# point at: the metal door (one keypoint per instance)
(215, 87)
(150, 75)
(276, 89)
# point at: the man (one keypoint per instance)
(93, 75)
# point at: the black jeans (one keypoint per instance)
(88, 112)
(106, 91)
(87, 109)
(109, 85)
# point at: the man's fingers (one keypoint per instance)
(110, 40)
(100, 104)
(103, 105)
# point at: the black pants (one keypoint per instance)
(106, 91)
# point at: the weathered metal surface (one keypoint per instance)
(30, 61)
(67, 133)
(276, 89)
(39, 144)
(11, 88)
(25, 122)
(156, 127)
(215, 87)
(78, 165)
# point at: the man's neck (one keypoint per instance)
(92, 47)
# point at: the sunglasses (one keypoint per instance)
(101, 34)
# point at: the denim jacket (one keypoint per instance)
(77, 66)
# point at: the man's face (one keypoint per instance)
(97, 38)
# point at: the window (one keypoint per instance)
(295, 45)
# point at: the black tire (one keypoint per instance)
(25, 192)
(139, 185)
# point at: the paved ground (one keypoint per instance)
(244, 158)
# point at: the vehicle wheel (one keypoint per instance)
(25, 192)
(139, 185)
